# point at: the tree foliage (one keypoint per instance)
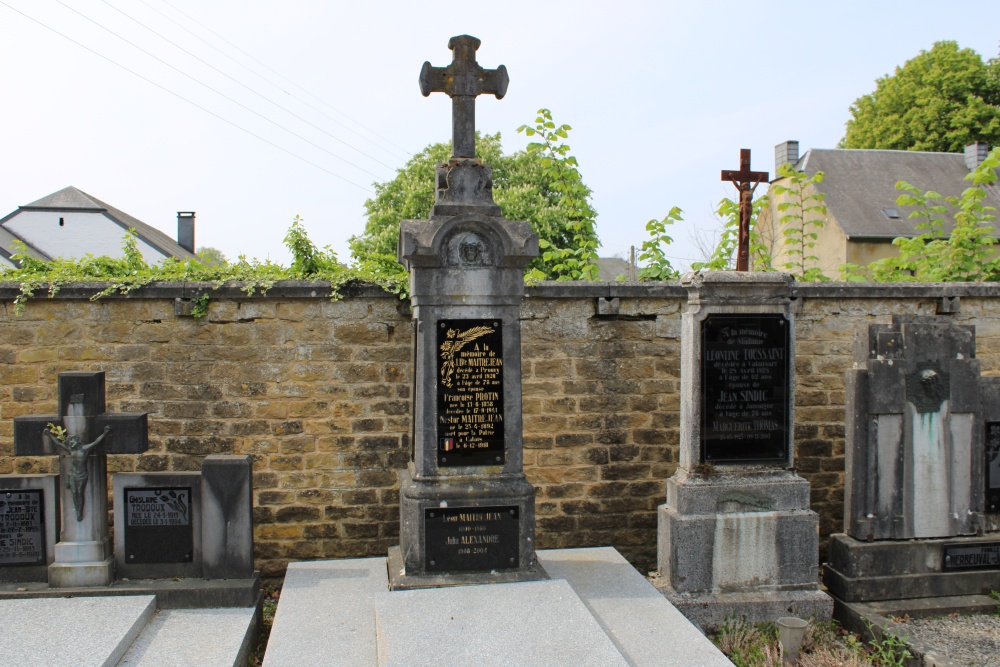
(724, 256)
(804, 214)
(653, 253)
(541, 184)
(941, 100)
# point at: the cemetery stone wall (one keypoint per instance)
(318, 393)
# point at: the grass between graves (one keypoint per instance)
(271, 594)
(826, 645)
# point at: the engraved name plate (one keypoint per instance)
(22, 527)
(471, 539)
(470, 405)
(158, 525)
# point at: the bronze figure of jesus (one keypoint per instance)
(78, 474)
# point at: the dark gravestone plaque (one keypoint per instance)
(992, 466)
(22, 527)
(744, 388)
(471, 539)
(982, 556)
(158, 525)
(470, 414)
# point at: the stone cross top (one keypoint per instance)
(463, 80)
(746, 182)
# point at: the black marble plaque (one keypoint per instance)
(992, 466)
(158, 525)
(470, 426)
(471, 539)
(22, 527)
(981, 556)
(744, 388)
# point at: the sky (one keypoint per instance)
(250, 112)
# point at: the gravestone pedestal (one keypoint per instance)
(736, 535)
(918, 481)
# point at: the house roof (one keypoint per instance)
(74, 199)
(7, 241)
(860, 184)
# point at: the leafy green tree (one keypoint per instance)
(941, 100)
(212, 256)
(658, 266)
(804, 215)
(541, 185)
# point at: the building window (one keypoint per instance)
(891, 213)
(62, 223)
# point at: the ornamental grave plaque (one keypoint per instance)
(982, 556)
(744, 388)
(22, 527)
(158, 525)
(992, 467)
(470, 408)
(471, 538)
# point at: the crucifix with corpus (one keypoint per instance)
(746, 182)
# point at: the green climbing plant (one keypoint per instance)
(653, 252)
(724, 256)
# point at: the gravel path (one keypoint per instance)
(972, 641)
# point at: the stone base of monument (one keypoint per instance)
(896, 570)
(595, 610)
(738, 541)
(439, 519)
(125, 631)
(82, 564)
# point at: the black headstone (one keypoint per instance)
(470, 404)
(744, 388)
(992, 467)
(158, 525)
(472, 538)
(22, 527)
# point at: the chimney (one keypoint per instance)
(185, 230)
(975, 154)
(785, 153)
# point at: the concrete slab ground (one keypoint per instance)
(203, 637)
(69, 632)
(596, 610)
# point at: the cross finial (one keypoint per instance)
(746, 182)
(463, 80)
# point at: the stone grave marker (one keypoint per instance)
(467, 510)
(83, 553)
(29, 526)
(736, 535)
(918, 415)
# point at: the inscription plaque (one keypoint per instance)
(471, 539)
(992, 466)
(22, 527)
(744, 388)
(158, 525)
(470, 416)
(982, 556)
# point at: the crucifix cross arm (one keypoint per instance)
(463, 80)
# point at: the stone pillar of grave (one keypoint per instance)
(916, 487)
(736, 535)
(83, 554)
(467, 512)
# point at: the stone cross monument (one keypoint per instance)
(88, 434)
(467, 512)
(746, 182)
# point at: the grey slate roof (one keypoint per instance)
(74, 199)
(859, 184)
(7, 246)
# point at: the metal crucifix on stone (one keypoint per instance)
(746, 182)
(83, 434)
(463, 80)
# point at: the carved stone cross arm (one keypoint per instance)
(463, 80)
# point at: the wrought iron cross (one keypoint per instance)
(463, 80)
(746, 182)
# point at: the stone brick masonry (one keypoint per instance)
(318, 393)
